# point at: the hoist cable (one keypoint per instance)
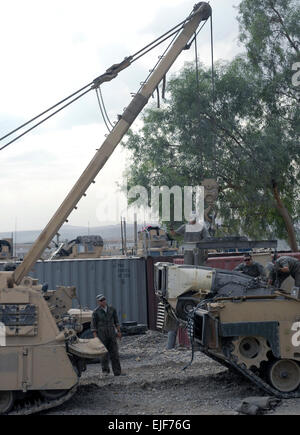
(156, 45)
(160, 57)
(45, 119)
(81, 89)
(134, 57)
(45, 111)
(104, 109)
(196, 34)
(160, 37)
(197, 66)
(101, 110)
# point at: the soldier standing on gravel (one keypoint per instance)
(104, 325)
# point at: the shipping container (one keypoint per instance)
(122, 280)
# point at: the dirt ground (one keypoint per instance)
(156, 384)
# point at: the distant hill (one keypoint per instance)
(108, 232)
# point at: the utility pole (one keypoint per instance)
(135, 234)
(122, 235)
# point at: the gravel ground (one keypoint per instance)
(155, 384)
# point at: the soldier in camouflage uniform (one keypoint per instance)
(104, 325)
(251, 268)
(282, 268)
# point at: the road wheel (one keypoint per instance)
(6, 401)
(53, 394)
(250, 351)
(184, 307)
(284, 375)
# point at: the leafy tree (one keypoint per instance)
(243, 131)
(270, 31)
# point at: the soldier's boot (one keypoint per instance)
(105, 365)
(115, 359)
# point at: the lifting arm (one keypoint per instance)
(201, 12)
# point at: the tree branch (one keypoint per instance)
(286, 217)
(292, 43)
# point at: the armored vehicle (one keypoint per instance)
(6, 249)
(81, 247)
(41, 356)
(238, 321)
(154, 241)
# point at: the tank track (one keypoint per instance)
(258, 381)
(40, 404)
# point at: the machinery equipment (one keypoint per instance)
(81, 247)
(239, 321)
(154, 241)
(6, 249)
(40, 354)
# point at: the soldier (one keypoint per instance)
(282, 268)
(104, 325)
(250, 267)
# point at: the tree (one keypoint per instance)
(244, 134)
(270, 30)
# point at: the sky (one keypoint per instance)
(51, 49)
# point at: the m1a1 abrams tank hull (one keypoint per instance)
(259, 338)
(238, 321)
(40, 363)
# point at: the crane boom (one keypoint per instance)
(201, 12)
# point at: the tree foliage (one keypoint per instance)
(244, 132)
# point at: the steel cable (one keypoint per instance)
(104, 109)
(140, 53)
(45, 111)
(134, 57)
(101, 110)
(45, 119)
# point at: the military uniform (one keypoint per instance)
(277, 277)
(104, 323)
(254, 269)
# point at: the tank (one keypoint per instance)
(239, 321)
(41, 356)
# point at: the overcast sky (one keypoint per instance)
(50, 49)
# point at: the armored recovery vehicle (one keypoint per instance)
(40, 354)
(239, 321)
